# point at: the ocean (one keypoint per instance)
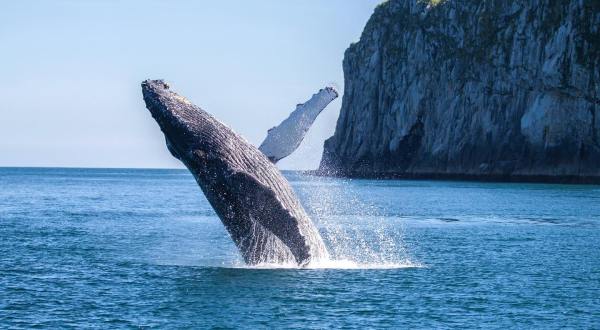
(130, 248)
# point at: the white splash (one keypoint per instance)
(357, 235)
(328, 264)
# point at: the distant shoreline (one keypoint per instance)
(562, 179)
(565, 179)
(90, 168)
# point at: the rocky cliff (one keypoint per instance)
(496, 89)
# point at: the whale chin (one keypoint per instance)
(249, 194)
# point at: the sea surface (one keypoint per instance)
(123, 248)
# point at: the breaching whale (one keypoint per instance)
(251, 197)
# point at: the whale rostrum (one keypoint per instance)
(249, 194)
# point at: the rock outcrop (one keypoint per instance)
(492, 89)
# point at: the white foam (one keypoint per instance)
(333, 264)
(349, 264)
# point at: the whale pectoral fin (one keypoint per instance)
(283, 139)
(264, 206)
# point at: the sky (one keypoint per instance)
(71, 70)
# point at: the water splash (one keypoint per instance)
(327, 264)
(357, 235)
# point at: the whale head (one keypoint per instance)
(179, 120)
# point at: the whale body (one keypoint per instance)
(249, 194)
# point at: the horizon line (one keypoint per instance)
(116, 168)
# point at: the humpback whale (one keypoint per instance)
(254, 201)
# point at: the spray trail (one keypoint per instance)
(357, 234)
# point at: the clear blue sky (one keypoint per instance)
(71, 71)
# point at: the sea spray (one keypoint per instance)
(357, 234)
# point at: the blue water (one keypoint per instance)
(111, 248)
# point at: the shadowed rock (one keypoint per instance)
(492, 90)
(254, 201)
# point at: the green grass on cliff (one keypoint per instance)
(432, 3)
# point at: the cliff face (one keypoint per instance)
(491, 88)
